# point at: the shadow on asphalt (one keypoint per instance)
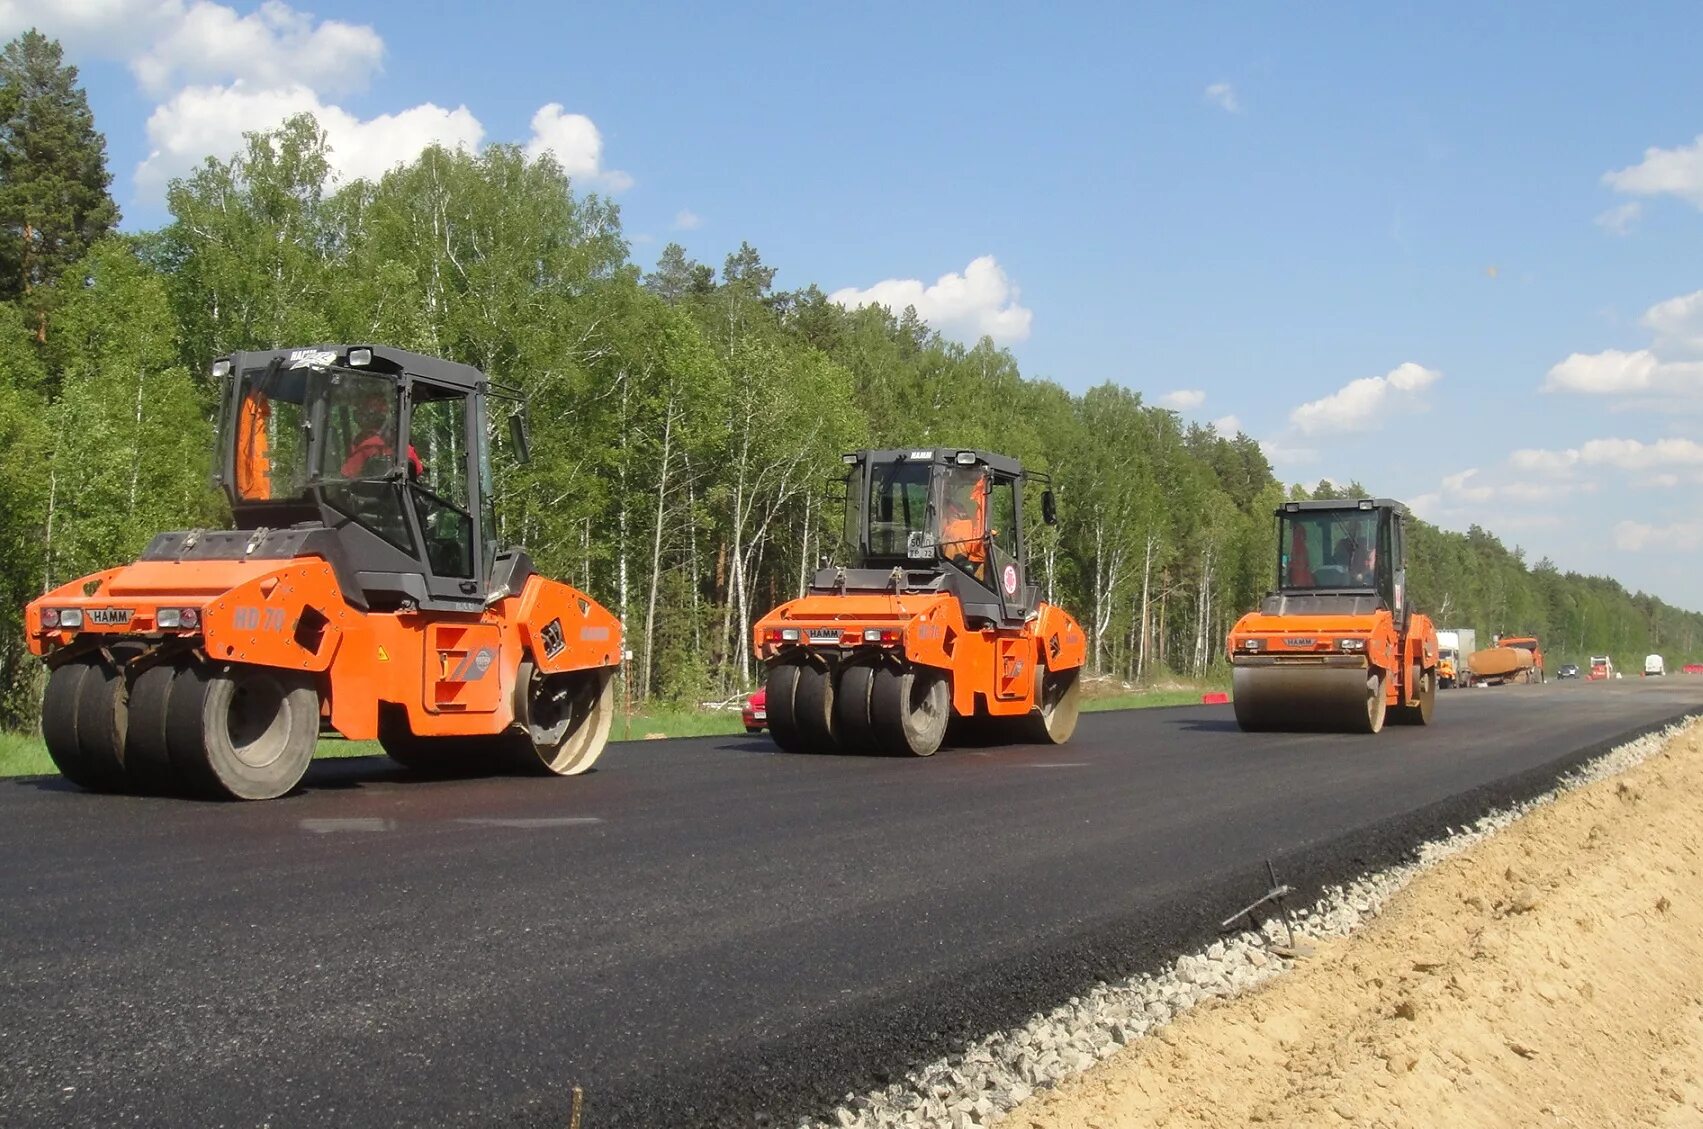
(1203, 725)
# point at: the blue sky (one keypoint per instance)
(1441, 250)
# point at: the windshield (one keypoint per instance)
(1328, 549)
(898, 511)
(358, 414)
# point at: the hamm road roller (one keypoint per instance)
(932, 617)
(363, 591)
(1336, 646)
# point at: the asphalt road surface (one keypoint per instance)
(701, 931)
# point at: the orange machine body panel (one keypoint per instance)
(1373, 641)
(1525, 643)
(454, 673)
(995, 665)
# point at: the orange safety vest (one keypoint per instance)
(254, 466)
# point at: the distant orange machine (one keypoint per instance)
(1336, 645)
(1529, 644)
(365, 596)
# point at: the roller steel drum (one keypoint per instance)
(1308, 698)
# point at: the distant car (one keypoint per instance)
(1692, 668)
(1568, 670)
(756, 712)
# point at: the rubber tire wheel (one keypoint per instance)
(147, 755)
(1418, 713)
(198, 730)
(851, 710)
(572, 741)
(1376, 706)
(909, 708)
(780, 687)
(102, 716)
(813, 709)
(59, 721)
(1058, 705)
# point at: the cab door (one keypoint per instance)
(1008, 575)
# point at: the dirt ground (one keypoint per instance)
(1552, 975)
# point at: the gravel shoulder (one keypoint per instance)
(1550, 974)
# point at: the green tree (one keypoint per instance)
(54, 202)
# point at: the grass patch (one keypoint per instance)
(1143, 699)
(22, 755)
(675, 721)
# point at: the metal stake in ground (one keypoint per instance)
(1275, 894)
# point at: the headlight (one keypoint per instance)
(789, 634)
(71, 617)
(50, 618)
(187, 619)
(1351, 644)
(1251, 644)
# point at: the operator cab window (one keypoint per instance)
(271, 451)
(1329, 549)
(438, 434)
(358, 458)
(898, 512)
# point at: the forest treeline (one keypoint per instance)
(687, 419)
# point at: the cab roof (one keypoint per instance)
(1326, 504)
(386, 361)
(944, 456)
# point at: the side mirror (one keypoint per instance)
(521, 441)
(1049, 508)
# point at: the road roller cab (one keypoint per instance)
(1335, 645)
(928, 616)
(364, 590)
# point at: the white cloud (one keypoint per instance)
(983, 301)
(1456, 486)
(574, 141)
(1677, 323)
(1663, 172)
(251, 71)
(1362, 405)
(1621, 454)
(687, 220)
(1183, 399)
(204, 120)
(1223, 95)
(1230, 425)
(1616, 373)
(1619, 219)
(167, 42)
(1636, 536)
(1279, 454)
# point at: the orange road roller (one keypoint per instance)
(363, 590)
(931, 618)
(1336, 647)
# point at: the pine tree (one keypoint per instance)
(54, 202)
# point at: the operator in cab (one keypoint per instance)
(963, 532)
(372, 450)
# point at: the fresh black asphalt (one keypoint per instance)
(700, 931)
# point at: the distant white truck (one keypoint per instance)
(1455, 646)
(1654, 667)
